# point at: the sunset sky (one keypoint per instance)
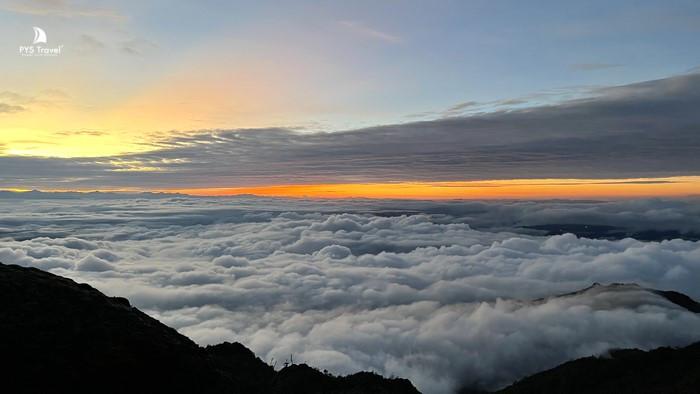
(392, 99)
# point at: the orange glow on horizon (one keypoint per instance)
(492, 189)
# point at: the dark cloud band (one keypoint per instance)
(648, 129)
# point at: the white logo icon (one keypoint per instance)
(37, 49)
(39, 36)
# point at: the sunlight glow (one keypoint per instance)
(496, 189)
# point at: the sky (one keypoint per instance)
(580, 114)
(342, 99)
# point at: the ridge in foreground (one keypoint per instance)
(60, 336)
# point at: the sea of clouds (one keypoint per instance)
(446, 294)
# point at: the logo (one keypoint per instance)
(39, 36)
(37, 49)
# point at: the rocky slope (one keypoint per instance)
(60, 336)
(663, 370)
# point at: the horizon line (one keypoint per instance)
(497, 189)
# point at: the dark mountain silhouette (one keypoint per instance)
(663, 370)
(58, 336)
(679, 299)
(598, 231)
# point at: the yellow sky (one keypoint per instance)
(68, 127)
(86, 106)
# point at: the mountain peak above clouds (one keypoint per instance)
(623, 295)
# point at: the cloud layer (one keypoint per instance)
(422, 295)
(646, 129)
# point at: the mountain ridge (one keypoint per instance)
(61, 336)
(677, 298)
(661, 370)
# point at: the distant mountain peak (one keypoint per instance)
(597, 288)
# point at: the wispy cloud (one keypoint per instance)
(8, 108)
(546, 97)
(361, 29)
(62, 8)
(93, 133)
(458, 109)
(17, 102)
(89, 44)
(137, 46)
(593, 66)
